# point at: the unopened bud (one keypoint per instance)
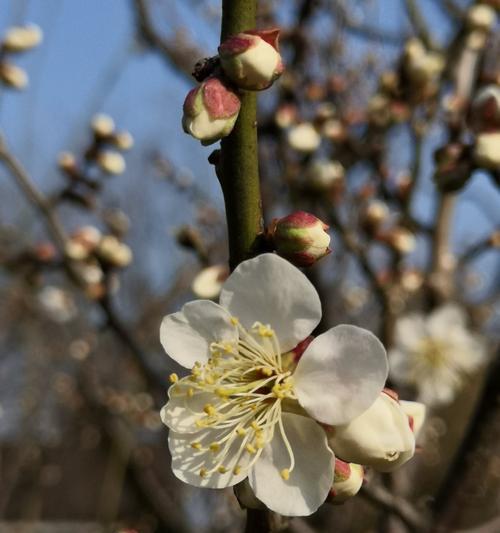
(304, 138)
(13, 76)
(348, 478)
(67, 162)
(285, 115)
(485, 109)
(123, 140)
(481, 17)
(379, 110)
(380, 437)
(301, 238)
(114, 252)
(487, 151)
(375, 213)
(102, 125)
(111, 162)
(323, 174)
(210, 111)
(402, 240)
(208, 283)
(251, 59)
(21, 38)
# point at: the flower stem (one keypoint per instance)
(238, 167)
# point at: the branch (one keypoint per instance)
(414, 519)
(238, 168)
(181, 55)
(56, 230)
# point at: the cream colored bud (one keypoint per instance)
(323, 174)
(415, 411)
(114, 252)
(414, 49)
(102, 125)
(123, 140)
(347, 481)
(381, 437)
(376, 212)
(111, 162)
(487, 151)
(402, 240)
(76, 250)
(20, 38)
(208, 283)
(66, 161)
(379, 112)
(481, 17)
(13, 76)
(285, 116)
(88, 236)
(304, 138)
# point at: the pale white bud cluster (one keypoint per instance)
(15, 40)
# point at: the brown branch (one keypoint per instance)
(414, 519)
(178, 52)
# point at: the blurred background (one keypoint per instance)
(385, 125)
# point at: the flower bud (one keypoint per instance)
(114, 252)
(323, 174)
(123, 140)
(380, 437)
(210, 111)
(13, 76)
(347, 481)
(301, 238)
(375, 214)
(402, 240)
(208, 283)
(487, 151)
(415, 411)
(111, 162)
(304, 138)
(481, 17)
(485, 109)
(251, 59)
(67, 162)
(21, 38)
(102, 125)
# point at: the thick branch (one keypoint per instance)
(238, 168)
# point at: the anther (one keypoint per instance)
(222, 469)
(196, 445)
(173, 378)
(250, 448)
(241, 432)
(214, 447)
(210, 409)
(237, 470)
(234, 321)
(203, 472)
(285, 474)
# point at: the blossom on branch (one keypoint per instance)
(249, 409)
(435, 353)
(251, 59)
(210, 111)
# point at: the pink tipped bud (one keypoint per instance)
(347, 481)
(301, 238)
(251, 59)
(210, 111)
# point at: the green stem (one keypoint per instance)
(238, 167)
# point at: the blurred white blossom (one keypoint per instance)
(435, 353)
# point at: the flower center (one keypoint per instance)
(433, 351)
(245, 385)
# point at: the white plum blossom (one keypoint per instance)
(435, 353)
(247, 411)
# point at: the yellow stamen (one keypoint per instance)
(173, 378)
(214, 447)
(196, 445)
(285, 474)
(203, 472)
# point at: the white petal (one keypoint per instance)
(410, 330)
(381, 437)
(416, 411)
(187, 461)
(340, 374)
(444, 319)
(311, 479)
(187, 335)
(270, 290)
(182, 411)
